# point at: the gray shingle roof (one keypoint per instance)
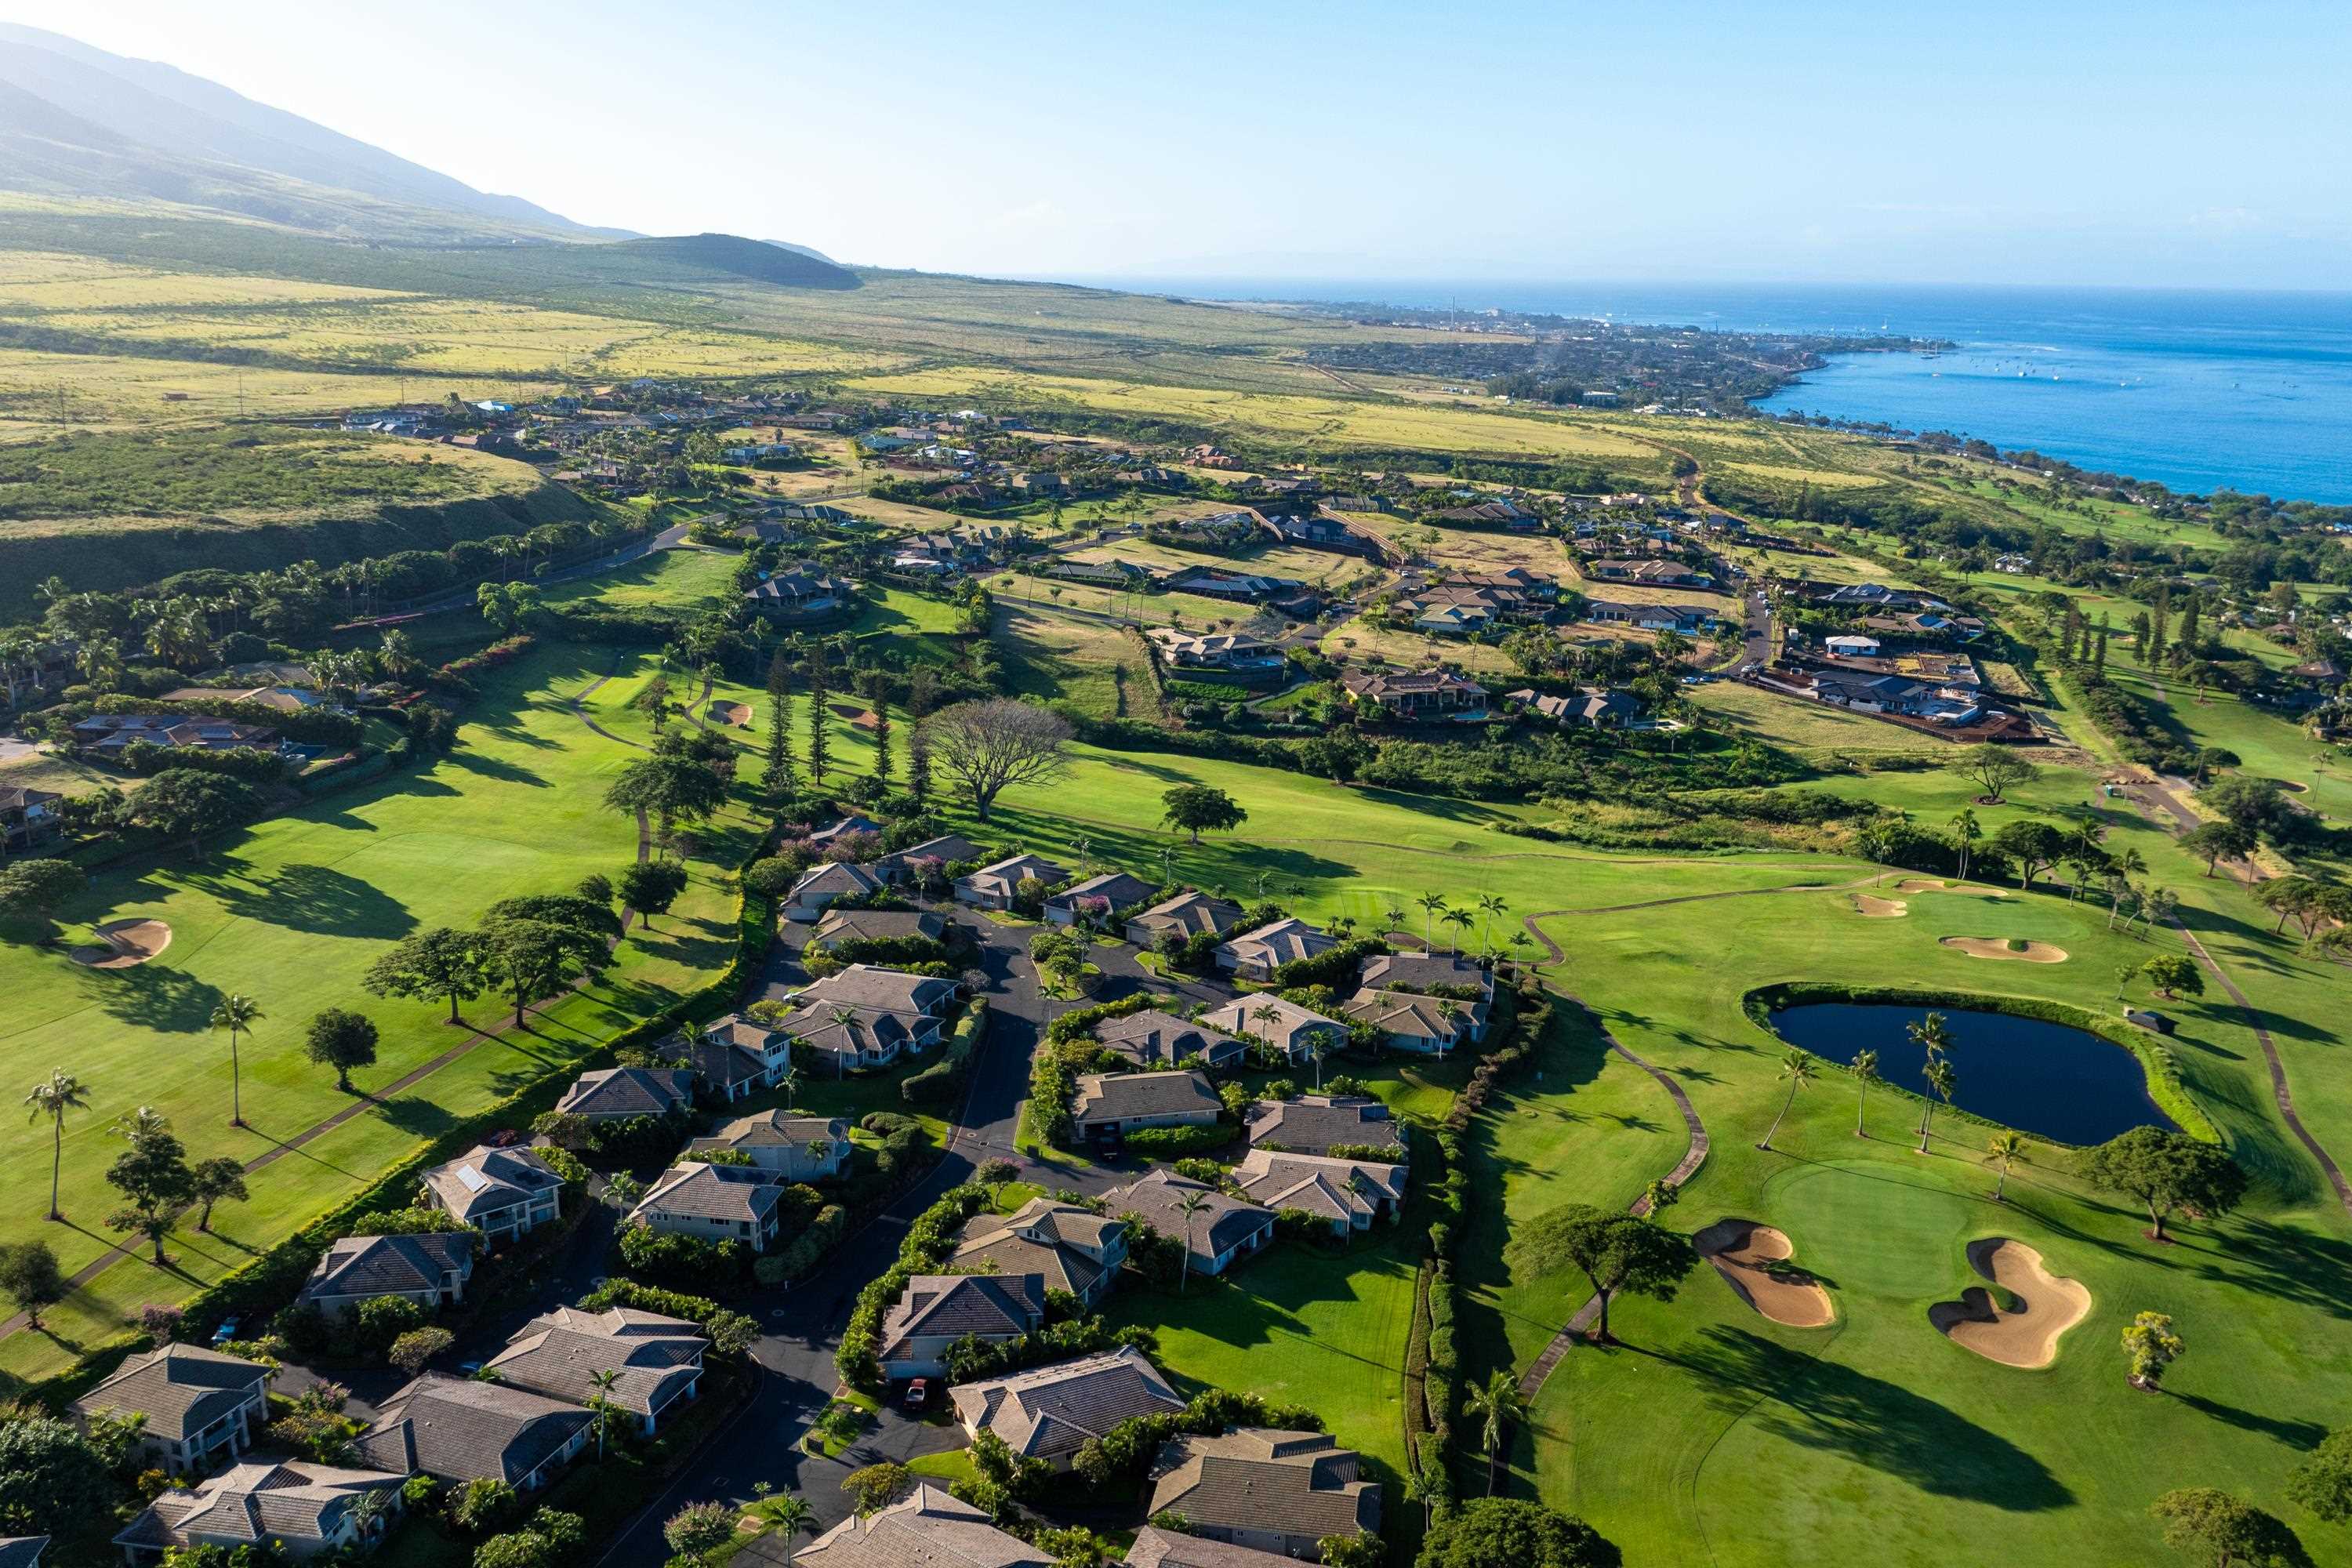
(994, 1306)
(1281, 942)
(558, 1362)
(1314, 1123)
(1290, 1020)
(1190, 913)
(628, 1091)
(1225, 1224)
(1115, 1097)
(257, 1501)
(1336, 1189)
(731, 1192)
(1417, 1017)
(1254, 1478)
(1117, 887)
(22, 1550)
(1153, 1037)
(771, 1129)
(1157, 1548)
(390, 1265)
(1418, 970)
(878, 925)
(181, 1389)
(1049, 1410)
(864, 986)
(837, 879)
(461, 1428)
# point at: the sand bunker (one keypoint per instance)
(1925, 885)
(1880, 908)
(127, 944)
(1998, 947)
(1753, 1260)
(2050, 1304)
(1920, 885)
(737, 714)
(859, 718)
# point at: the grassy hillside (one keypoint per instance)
(113, 511)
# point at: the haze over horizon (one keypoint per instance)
(2138, 146)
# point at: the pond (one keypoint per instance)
(2044, 1078)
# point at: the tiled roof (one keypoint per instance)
(773, 1130)
(1118, 888)
(1226, 1223)
(1290, 1483)
(1421, 1018)
(1108, 1097)
(1191, 912)
(390, 1265)
(628, 1091)
(617, 1323)
(1049, 1410)
(878, 925)
(1417, 971)
(1240, 1016)
(22, 1550)
(181, 1389)
(1156, 1548)
(998, 1306)
(928, 1530)
(837, 877)
(1336, 1189)
(461, 1428)
(947, 848)
(1280, 942)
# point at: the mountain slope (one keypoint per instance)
(88, 123)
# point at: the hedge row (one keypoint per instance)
(1181, 1142)
(944, 1078)
(930, 1240)
(2155, 1060)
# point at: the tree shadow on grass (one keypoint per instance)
(2297, 1434)
(1815, 1403)
(490, 767)
(2287, 1261)
(417, 1118)
(153, 996)
(316, 898)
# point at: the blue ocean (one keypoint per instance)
(2199, 390)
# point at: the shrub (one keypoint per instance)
(386, 1319)
(1177, 1143)
(684, 1259)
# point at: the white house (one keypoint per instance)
(498, 1192)
(198, 1403)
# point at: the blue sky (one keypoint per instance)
(2084, 143)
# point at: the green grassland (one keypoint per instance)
(291, 913)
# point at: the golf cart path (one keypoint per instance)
(474, 1037)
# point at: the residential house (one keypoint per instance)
(1157, 1548)
(1318, 1123)
(1070, 1248)
(303, 1509)
(938, 1310)
(198, 1403)
(1047, 1412)
(871, 986)
(927, 1529)
(1420, 972)
(1188, 914)
(1450, 618)
(1593, 708)
(106, 733)
(1349, 1194)
(860, 1036)
(714, 1203)
(1283, 1025)
(1654, 574)
(1097, 898)
(1108, 1103)
(949, 849)
(995, 886)
(1120, 574)
(658, 1360)
(1491, 513)
(1852, 646)
(28, 818)
(821, 884)
(1273, 1490)
(1217, 655)
(1416, 695)
(1258, 953)
(1690, 620)
(796, 1148)
(839, 926)
(498, 1192)
(615, 1094)
(1433, 1024)
(462, 1429)
(430, 1269)
(1246, 587)
(800, 593)
(736, 1057)
(1152, 1039)
(23, 1551)
(1221, 1233)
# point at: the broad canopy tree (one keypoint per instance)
(1616, 1252)
(2166, 1171)
(1195, 807)
(429, 965)
(989, 746)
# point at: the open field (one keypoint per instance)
(1047, 654)
(1805, 726)
(1360, 639)
(291, 913)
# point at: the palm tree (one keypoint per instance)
(2004, 1149)
(1431, 904)
(790, 1079)
(1798, 1068)
(1931, 1034)
(1266, 1015)
(1460, 919)
(1394, 914)
(846, 1018)
(1318, 1046)
(1943, 1080)
(791, 1514)
(61, 1093)
(1450, 1011)
(1489, 906)
(1190, 1205)
(1865, 1073)
(600, 1404)
(1499, 1407)
(1422, 1487)
(238, 1014)
(367, 1512)
(1965, 833)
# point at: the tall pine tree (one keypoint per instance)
(920, 696)
(778, 783)
(820, 687)
(2152, 654)
(2099, 656)
(877, 697)
(2187, 639)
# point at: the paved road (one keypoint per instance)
(805, 1321)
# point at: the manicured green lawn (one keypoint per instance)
(291, 913)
